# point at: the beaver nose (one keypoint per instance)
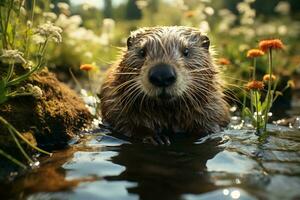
(162, 75)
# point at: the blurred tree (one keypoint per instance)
(108, 10)
(132, 11)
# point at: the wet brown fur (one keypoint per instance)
(130, 108)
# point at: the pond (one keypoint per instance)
(228, 165)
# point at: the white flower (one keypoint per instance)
(88, 5)
(12, 56)
(88, 54)
(209, 11)
(23, 11)
(282, 30)
(36, 92)
(141, 4)
(108, 26)
(63, 6)
(50, 16)
(29, 23)
(69, 23)
(204, 27)
(283, 8)
(50, 31)
(38, 39)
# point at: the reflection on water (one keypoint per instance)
(228, 165)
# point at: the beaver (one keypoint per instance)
(165, 82)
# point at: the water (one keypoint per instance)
(228, 165)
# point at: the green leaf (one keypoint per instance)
(3, 91)
(9, 32)
(255, 95)
(247, 112)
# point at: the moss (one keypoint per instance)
(50, 121)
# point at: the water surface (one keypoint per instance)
(227, 165)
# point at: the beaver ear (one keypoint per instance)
(205, 42)
(129, 42)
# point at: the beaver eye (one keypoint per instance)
(186, 52)
(142, 53)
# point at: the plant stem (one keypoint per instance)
(37, 67)
(6, 23)
(12, 159)
(257, 115)
(10, 71)
(20, 146)
(2, 29)
(10, 127)
(254, 69)
(269, 93)
(27, 38)
(244, 104)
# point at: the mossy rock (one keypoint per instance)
(50, 121)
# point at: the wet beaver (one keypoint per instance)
(165, 82)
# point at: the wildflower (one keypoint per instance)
(63, 6)
(252, 53)
(29, 23)
(108, 25)
(283, 8)
(189, 14)
(209, 11)
(69, 23)
(223, 61)
(23, 11)
(291, 84)
(204, 26)
(255, 85)
(50, 16)
(267, 77)
(87, 67)
(12, 56)
(36, 92)
(50, 31)
(265, 45)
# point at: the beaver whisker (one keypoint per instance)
(141, 103)
(129, 99)
(132, 100)
(236, 86)
(186, 95)
(121, 86)
(236, 79)
(121, 99)
(129, 92)
(206, 90)
(127, 73)
(193, 100)
(200, 69)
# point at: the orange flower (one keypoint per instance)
(189, 14)
(86, 67)
(255, 85)
(223, 61)
(252, 53)
(265, 45)
(266, 77)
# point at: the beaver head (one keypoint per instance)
(164, 80)
(167, 63)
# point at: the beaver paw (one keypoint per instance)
(157, 140)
